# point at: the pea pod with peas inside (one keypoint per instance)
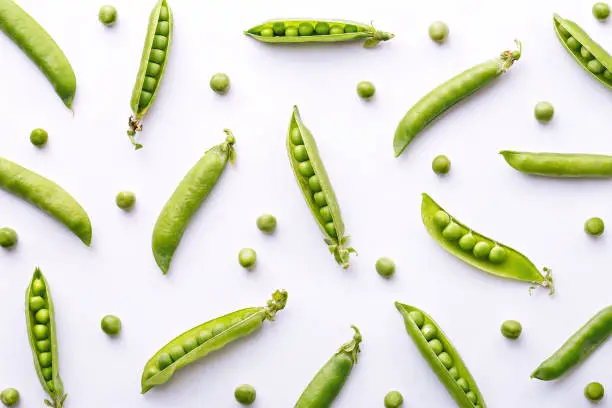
(586, 52)
(40, 322)
(316, 188)
(206, 338)
(441, 356)
(316, 31)
(448, 94)
(152, 66)
(574, 165)
(478, 250)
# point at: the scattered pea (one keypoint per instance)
(594, 226)
(385, 267)
(111, 325)
(8, 237)
(601, 11)
(9, 397)
(125, 200)
(247, 258)
(365, 90)
(393, 399)
(107, 15)
(438, 31)
(511, 329)
(266, 223)
(544, 111)
(441, 164)
(39, 137)
(594, 391)
(245, 394)
(220, 83)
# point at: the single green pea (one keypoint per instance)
(45, 360)
(462, 382)
(511, 329)
(296, 137)
(267, 32)
(266, 223)
(125, 200)
(245, 394)
(594, 226)
(220, 83)
(330, 228)
(417, 318)
(43, 316)
(204, 336)
(454, 373)
(442, 219)
(472, 397)
(107, 15)
(601, 11)
(438, 31)
(325, 214)
(177, 352)
(446, 359)
(586, 54)
(322, 28)
(320, 199)
(595, 66)
(37, 303)
(393, 399)
(305, 169)
(163, 361)
(219, 327)
(385, 267)
(544, 111)
(467, 242)
(190, 344)
(47, 373)
(336, 29)
(314, 184)
(366, 90)
(573, 44)
(429, 331)
(436, 346)
(452, 232)
(38, 287)
(305, 29)
(247, 257)
(43, 345)
(497, 255)
(441, 164)
(563, 31)
(300, 153)
(151, 371)
(481, 249)
(291, 32)
(350, 28)
(41, 332)
(8, 237)
(279, 28)
(39, 137)
(594, 391)
(9, 397)
(111, 325)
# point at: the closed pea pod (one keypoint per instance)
(210, 336)
(152, 66)
(563, 165)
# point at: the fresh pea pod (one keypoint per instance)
(152, 66)
(478, 250)
(577, 348)
(575, 165)
(38, 45)
(448, 94)
(442, 357)
(187, 198)
(316, 188)
(47, 196)
(316, 31)
(202, 340)
(329, 380)
(40, 321)
(586, 52)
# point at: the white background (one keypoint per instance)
(90, 156)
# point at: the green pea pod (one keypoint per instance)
(316, 188)
(586, 52)
(47, 196)
(442, 357)
(202, 340)
(574, 165)
(40, 322)
(577, 348)
(478, 250)
(329, 380)
(187, 198)
(152, 66)
(448, 94)
(38, 45)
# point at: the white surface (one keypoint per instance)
(91, 157)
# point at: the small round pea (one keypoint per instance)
(594, 391)
(350, 28)
(429, 331)
(467, 242)
(245, 394)
(279, 28)
(366, 90)
(446, 359)
(8, 237)
(607, 75)
(291, 32)
(247, 258)
(9, 397)
(563, 31)
(442, 219)
(385, 267)
(267, 32)
(438, 31)
(43, 316)
(39, 137)
(544, 111)
(305, 29)
(220, 83)
(436, 346)
(573, 44)
(594, 226)
(601, 11)
(336, 29)
(481, 249)
(107, 15)
(300, 153)
(586, 54)
(497, 254)
(305, 169)
(441, 164)
(595, 66)
(111, 325)
(125, 200)
(452, 232)
(38, 287)
(266, 223)
(314, 184)
(462, 382)
(417, 318)
(511, 329)
(40, 331)
(37, 303)
(322, 28)
(454, 373)
(393, 399)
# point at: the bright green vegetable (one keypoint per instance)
(220, 83)
(365, 90)
(125, 200)
(39, 137)
(247, 257)
(438, 31)
(8, 237)
(266, 223)
(601, 11)
(111, 325)
(594, 226)
(577, 165)
(9, 397)
(594, 391)
(107, 15)
(385, 267)
(544, 111)
(511, 329)
(245, 394)
(394, 399)
(441, 164)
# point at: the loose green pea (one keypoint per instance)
(279, 28)
(594, 391)
(429, 331)
(41, 332)
(247, 257)
(296, 137)
(267, 32)
(544, 111)
(511, 329)
(291, 32)
(220, 83)
(436, 346)
(594, 226)
(39, 137)
(125, 200)
(601, 11)
(462, 382)
(8, 237)
(350, 28)
(586, 54)
(446, 359)
(467, 242)
(442, 219)
(497, 255)
(177, 352)
(9, 397)
(336, 29)
(111, 325)
(393, 399)
(38, 287)
(305, 29)
(595, 66)
(385, 267)
(322, 28)
(573, 44)
(441, 164)
(438, 31)
(107, 15)
(452, 232)
(37, 303)
(305, 169)
(314, 184)
(365, 90)
(320, 199)
(163, 361)
(42, 316)
(482, 249)
(266, 223)
(245, 394)
(417, 318)
(325, 214)
(300, 153)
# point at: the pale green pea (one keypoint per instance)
(9, 397)
(151, 371)
(467, 242)
(220, 83)
(601, 11)
(47, 373)
(336, 29)
(350, 28)
(436, 346)
(45, 359)
(446, 359)
(573, 44)
(300, 153)
(266, 223)
(586, 54)
(544, 111)
(441, 164)
(43, 345)
(482, 249)
(331, 229)
(247, 257)
(429, 331)
(125, 200)
(472, 397)
(190, 344)
(305, 29)
(563, 31)
(267, 32)
(219, 327)
(107, 15)
(511, 329)
(41, 332)
(497, 255)
(111, 325)
(452, 232)
(319, 198)
(37, 303)
(393, 399)
(462, 382)
(291, 32)
(305, 169)
(594, 226)
(204, 336)
(454, 373)
(438, 31)
(38, 287)
(417, 318)
(442, 219)
(163, 361)
(594, 391)
(325, 213)
(39, 137)
(365, 90)
(322, 28)
(385, 267)
(42, 316)
(595, 67)
(314, 184)
(296, 137)
(245, 394)
(8, 237)
(177, 352)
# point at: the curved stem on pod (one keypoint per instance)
(377, 36)
(508, 57)
(134, 125)
(230, 140)
(278, 302)
(548, 281)
(352, 347)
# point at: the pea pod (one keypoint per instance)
(40, 47)
(577, 348)
(47, 196)
(283, 31)
(202, 340)
(316, 188)
(442, 357)
(448, 94)
(187, 198)
(586, 52)
(575, 165)
(478, 250)
(40, 322)
(152, 66)
(329, 380)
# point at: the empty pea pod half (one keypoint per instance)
(441, 356)
(448, 94)
(152, 66)
(40, 47)
(586, 52)
(479, 251)
(317, 31)
(187, 198)
(316, 188)
(202, 340)
(47, 196)
(569, 165)
(40, 322)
